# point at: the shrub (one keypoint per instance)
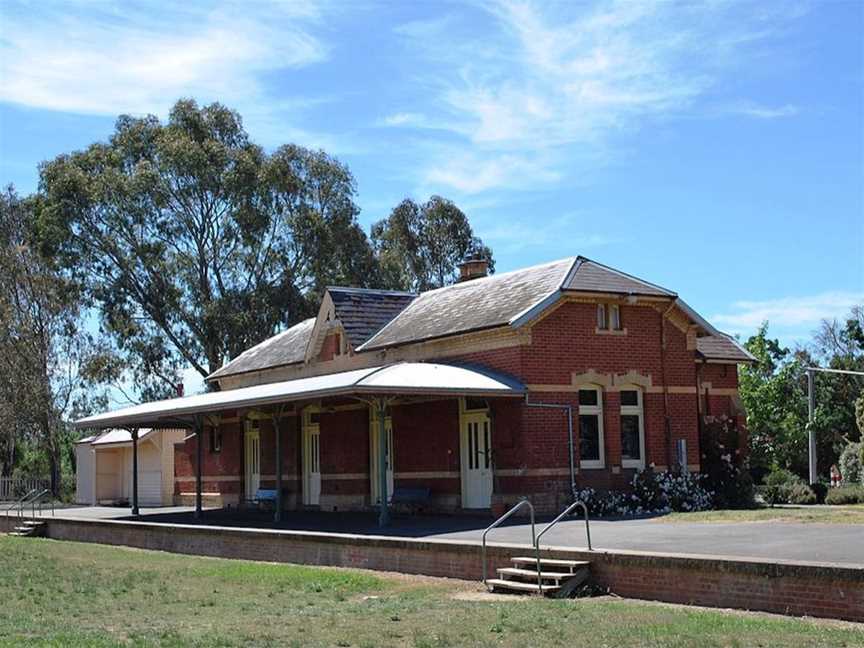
(652, 492)
(780, 485)
(724, 464)
(850, 464)
(820, 490)
(845, 495)
(800, 494)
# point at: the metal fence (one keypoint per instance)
(12, 488)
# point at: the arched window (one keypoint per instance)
(591, 451)
(632, 428)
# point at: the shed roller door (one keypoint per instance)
(150, 488)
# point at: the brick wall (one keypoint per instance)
(530, 445)
(783, 588)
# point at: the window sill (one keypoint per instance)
(600, 331)
(638, 465)
(591, 466)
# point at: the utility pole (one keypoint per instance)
(811, 425)
(811, 411)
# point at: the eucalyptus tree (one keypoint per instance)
(420, 245)
(45, 351)
(193, 243)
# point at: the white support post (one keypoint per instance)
(134, 432)
(384, 512)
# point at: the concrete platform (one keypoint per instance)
(811, 542)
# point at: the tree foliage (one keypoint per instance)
(193, 243)
(774, 393)
(44, 352)
(419, 246)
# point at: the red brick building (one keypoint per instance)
(608, 374)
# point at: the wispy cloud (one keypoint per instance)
(788, 316)
(549, 78)
(763, 112)
(566, 230)
(137, 57)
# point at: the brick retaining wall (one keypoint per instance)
(782, 587)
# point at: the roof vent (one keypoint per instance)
(473, 267)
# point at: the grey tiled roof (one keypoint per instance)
(283, 348)
(472, 305)
(364, 312)
(722, 347)
(595, 277)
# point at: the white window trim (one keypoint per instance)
(602, 318)
(614, 317)
(595, 410)
(634, 410)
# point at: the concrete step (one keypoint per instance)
(531, 574)
(571, 565)
(34, 523)
(518, 586)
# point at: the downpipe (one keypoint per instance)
(571, 451)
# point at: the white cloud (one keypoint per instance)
(764, 112)
(96, 58)
(788, 314)
(550, 79)
(566, 230)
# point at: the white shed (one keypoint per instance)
(104, 467)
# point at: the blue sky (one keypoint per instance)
(714, 148)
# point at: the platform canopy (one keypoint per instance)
(404, 378)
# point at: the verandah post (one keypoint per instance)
(277, 429)
(199, 449)
(134, 432)
(384, 513)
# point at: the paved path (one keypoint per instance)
(838, 543)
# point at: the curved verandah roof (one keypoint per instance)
(404, 378)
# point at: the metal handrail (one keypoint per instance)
(40, 499)
(523, 502)
(561, 516)
(32, 501)
(18, 502)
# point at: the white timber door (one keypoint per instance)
(311, 459)
(476, 442)
(253, 462)
(374, 436)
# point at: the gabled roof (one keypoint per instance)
(722, 348)
(590, 276)
(472, 305)
(363, 312)
(287, 347)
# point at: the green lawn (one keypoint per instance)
(70, 594)
(851, 514)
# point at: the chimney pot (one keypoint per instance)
(473, 267)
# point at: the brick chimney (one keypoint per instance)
(473, 267)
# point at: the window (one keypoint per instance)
(215, 440)
(632, 429)
(601, 317)
(473, 403)
(615, 317)
(591, 452)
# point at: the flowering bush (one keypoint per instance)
(652, 492)
(724, 463)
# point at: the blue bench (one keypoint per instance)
(265, 496)
(411, 497)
